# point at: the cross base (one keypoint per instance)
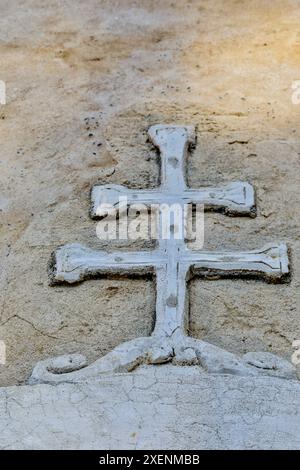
(178, 349)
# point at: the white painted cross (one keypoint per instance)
(172, 263)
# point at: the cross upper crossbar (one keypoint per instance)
(172, 141)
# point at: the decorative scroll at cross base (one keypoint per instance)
(173, 265)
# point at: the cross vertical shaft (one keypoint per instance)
(172, 143)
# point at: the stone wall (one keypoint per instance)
(84, 81)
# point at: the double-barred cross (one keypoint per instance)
(172, 264)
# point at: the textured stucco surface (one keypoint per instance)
(112, 69)
(157, 407)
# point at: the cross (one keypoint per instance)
(172, 264)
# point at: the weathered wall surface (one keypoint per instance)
(84, 82)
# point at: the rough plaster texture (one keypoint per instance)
(85, 80)
(84, 83)
(160, 407)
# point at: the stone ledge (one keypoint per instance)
(155, 407)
